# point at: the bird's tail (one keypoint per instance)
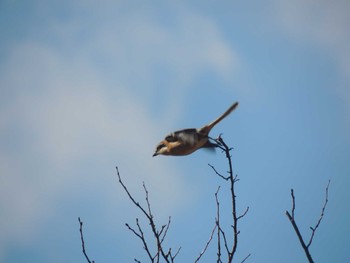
(206, 129)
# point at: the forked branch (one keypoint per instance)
(221, 235)
(291, 217)
(158, 234)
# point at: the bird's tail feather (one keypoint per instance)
(206, 129)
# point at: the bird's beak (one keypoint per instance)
(155, 154)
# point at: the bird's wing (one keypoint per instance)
(186, 136)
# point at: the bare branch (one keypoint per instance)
(130, 196)
(159, 235)
(82, 241)
(223, 177)
(313, 229)
(142, 237)
(296, 229)
(207, 244)
(225, 240)
(147, 200)
(245, 258)
(243, 215)
(293, 202)
(166, 230)
(133, 230)
(232, 179)
(177, 252)
(218, 224)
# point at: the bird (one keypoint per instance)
(187, 141)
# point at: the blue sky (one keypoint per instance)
(89, 85)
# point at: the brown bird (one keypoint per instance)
(186, 141)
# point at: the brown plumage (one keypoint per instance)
(186, 141)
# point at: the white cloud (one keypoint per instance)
(324, 23)
(67, 119)
(87, 97)
(139, 45)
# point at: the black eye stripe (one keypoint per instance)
(160, 146)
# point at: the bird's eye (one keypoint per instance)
(160, 146)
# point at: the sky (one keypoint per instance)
(90, 85)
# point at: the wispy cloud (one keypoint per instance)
(324, 24)
(59, 125)
(85, 97)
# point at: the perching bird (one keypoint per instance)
(184, 142)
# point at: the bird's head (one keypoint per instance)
(160, 149)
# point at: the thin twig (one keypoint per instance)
(130, 196)
(159, 235)
(293, 202)
(82, 241)
(245, 258)
(207, 244)
(233, 198)
(313, 229)
(225, 240)
(133, 230)
(142, 237)
(244, 213)
(147, 200)
(219, 174)
(177, 252)
(166, 230)
(218, 224)
(232, 179)
(296, 229)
